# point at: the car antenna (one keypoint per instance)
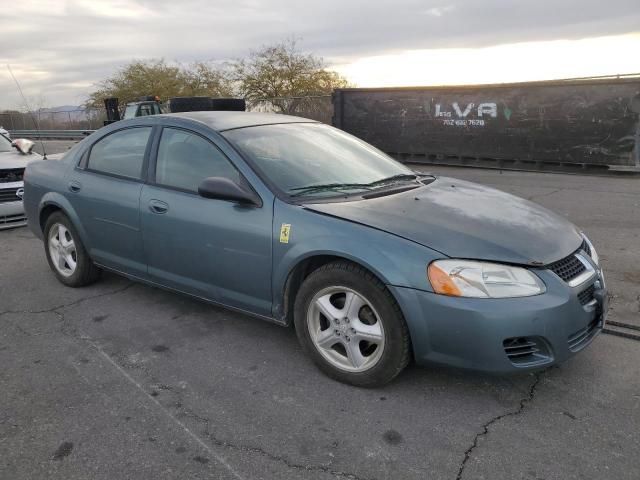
(26, 104)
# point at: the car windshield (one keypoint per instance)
(316, 160)
(5, 144)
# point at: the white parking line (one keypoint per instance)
(201, 442)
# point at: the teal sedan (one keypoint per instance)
(299, 223)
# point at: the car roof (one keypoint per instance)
(222, 120)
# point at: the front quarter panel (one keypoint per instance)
(394, 260)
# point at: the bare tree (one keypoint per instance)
(283, 74)
(157, 77)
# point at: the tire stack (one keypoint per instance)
(206, 104)
(229, 104)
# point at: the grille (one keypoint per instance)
(16, 220)
(11, 175)
(586, 295)
(526, 350)
(8, 195)
(581, 338)
(587, 249)
(568, 268)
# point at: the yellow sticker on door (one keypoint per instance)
(285, 230)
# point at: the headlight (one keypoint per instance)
(465, 278)
(593, 254)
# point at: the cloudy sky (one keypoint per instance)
(59, 49)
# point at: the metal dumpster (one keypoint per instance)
(574, 123)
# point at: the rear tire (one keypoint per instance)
(351, 326)
(66, 254)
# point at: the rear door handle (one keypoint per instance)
(158, 207)
(75, 187)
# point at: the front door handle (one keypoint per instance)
(75, 187)
(158, 207)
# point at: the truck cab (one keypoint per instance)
(141, 109)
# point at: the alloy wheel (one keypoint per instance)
(345, 329)
(62, 249)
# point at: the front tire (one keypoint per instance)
(66, 254)
(351, 326)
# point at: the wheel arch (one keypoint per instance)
(302, 269)
(54, 202)
(45, 212)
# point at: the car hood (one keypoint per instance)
(465, 220)
(15, 159)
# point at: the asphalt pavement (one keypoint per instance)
(120, 380)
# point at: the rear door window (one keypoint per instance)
(121, 153)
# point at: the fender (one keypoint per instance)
(394, 260)
(319, 247)
(372, 258)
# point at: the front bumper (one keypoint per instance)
(12, 215)
(11, 207)
(504, 335)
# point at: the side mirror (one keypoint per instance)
(224, 189)
(23, 145)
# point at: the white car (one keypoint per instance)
(14, 157)
(4, 132)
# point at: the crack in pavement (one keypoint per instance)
(271, 456)
(540, 195)
(56, 309)
(70, 304)
(485, 428)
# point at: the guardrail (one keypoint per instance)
(51, 134)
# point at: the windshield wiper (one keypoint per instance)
(394, 178)
(327, 187)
